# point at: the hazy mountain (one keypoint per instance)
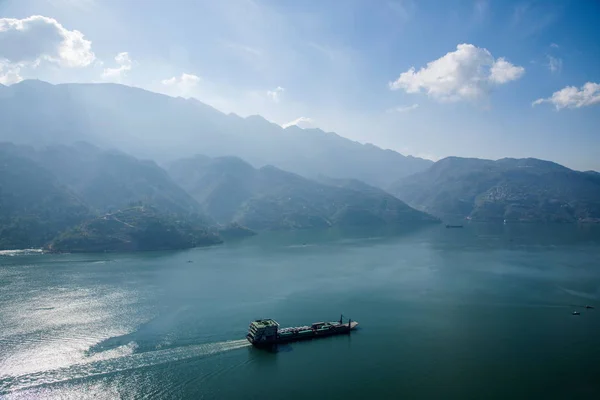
(34, 205)
(85, 191)
(512, 189)
(160, 127)
(230, 189)
(108, 180)
(353, 184)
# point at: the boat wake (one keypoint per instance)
(13, 253)
(117, 364)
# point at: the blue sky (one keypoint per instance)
(427, 78)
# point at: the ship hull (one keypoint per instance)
(340, 330)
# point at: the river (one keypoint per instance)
(479, 312)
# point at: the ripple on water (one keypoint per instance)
(116, 362)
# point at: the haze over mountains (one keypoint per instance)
(105, 167)
(82, 198)
(50, 191)
(231, 190)
(163, 128)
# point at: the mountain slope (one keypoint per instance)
(64, 195)
(34, 205)
(512, 189)
(231, 190)
(109, 180)
(160, 127)
(133, 229)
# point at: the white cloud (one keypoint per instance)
(468, 73)
(502, 72)
(572, 97)
(10, 74)
(124, 65)
(554, 45)
(275, 94)
(403, 109)
(554, 64)
(301, 122)
(182, 85)
(29, 41)
(169, 82)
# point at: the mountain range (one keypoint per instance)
(509, 189)
(45, 193)
(163, 128)
(231, 190)
(105, 167)
(82, 198)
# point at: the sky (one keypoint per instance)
(471, 78)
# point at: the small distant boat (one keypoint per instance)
(589, 307)
(453, 226)
(576, 313)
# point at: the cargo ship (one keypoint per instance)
(266, 332)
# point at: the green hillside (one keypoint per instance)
(231, 190)
(507, 189)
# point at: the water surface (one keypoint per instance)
(479, 312)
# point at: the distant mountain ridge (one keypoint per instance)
(80, 198)
(49, 191)
(108, 179)
(163, 128)
(508, 189)
(231, 190)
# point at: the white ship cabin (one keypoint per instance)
(263, 330)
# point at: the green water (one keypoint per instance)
(482, 312)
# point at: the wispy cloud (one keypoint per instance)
(480, 10)
(275, 94)
(301, 122)
(124, 63)
(554, 64)
(181, 85)
(326, 51)
(403, 109)
(573, 97)
(10, 74)
(520, 11)
(243, 48)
